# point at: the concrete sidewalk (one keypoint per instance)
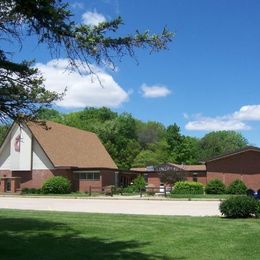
(145, 207)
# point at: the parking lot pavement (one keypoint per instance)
(145, 207)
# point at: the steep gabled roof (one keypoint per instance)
(71, 147)
(242, 150)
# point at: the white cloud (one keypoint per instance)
(248, 113)
(215, 124)
(93, 18)
(234, 121)
(154, 91)
(82, 90)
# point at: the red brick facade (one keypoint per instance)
(108, 178)
(243, 166)
(200, 177)
(154, 179)
(36, 178)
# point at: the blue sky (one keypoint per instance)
(208, 80)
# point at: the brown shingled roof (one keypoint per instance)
(72, 147)
(190, 168)
(194, 167)
(139, 169)
(184, 167)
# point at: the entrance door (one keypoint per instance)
(8, 185)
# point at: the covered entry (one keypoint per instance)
(126, 178)
(10, 184)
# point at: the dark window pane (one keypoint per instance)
(96, 176)
(82, 175)
(89, 175)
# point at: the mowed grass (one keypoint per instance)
(58, 235)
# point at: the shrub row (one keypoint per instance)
(240, 207)
(218, 187)
(61, 185)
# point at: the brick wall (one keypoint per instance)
(244, 166)
(252, 181)
(5, 173)
(36, 178)
(84, 186)
(108, 178)
(154, 179)
(247, 162)
(200, 178)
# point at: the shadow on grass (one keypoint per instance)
(29, 238)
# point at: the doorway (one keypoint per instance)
(8, 185)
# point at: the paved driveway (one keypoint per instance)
(146, 207)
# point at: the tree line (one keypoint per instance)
(134, 143)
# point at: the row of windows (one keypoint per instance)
(93, 176)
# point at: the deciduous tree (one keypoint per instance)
(220, 142)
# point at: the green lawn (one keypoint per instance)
(49, 235)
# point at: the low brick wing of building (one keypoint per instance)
(243, 165)
(153, 174)
(32, 153)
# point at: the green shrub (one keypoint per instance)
(31, 191)
(139, 183)
(25, 191)
(237, 187)
(239, 207)
(186, 187)
(215, 187)
(117, 190)
(257, 211)
(56, 185)
(137, 186)
(130, 189)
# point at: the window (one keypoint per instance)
(89, 175)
